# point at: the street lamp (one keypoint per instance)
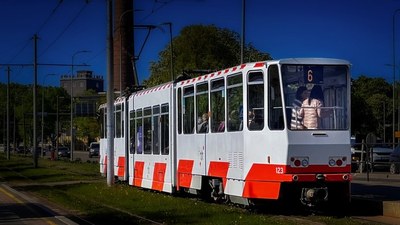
(57, 127)
(72, 102)
(8, 115)
(394, 72)
(43, 92)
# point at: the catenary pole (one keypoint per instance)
(8, 115)
(394, 77)
(35, 156)
(110, 96)
(243, 31)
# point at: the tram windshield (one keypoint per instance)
(316, 96)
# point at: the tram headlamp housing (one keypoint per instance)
(299, 161)
(337, 161)
(304, 162)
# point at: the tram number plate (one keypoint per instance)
(279, 170)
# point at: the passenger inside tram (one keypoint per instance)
(296, 121)
(234, 121)
(203, 126)
(311, 108)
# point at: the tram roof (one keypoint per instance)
(314, 61)
(238, 68)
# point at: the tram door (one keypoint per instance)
(202, 124)
(119, 140)
(131, 141)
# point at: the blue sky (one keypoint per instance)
(355, 30)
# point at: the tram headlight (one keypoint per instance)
(338, 161)
(332, 162)
(304, 162)
(299, 161)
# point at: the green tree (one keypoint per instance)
(87, 129)
(21, 111)
(201, 47)
(371, 106)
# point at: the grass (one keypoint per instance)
(94, 201)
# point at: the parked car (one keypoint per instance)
(22, 150)
(395, 161)
(64, 152)
(94, 149)
(381, 156)
(356, 154)
(38, 151)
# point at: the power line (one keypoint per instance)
(28, 42)
(156, 8)
(49, 17)
(65, 29)
(20, 51)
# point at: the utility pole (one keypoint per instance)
(8, 115)
(110, 96)
(35, 156)
(243, 30)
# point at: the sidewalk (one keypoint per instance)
(376, 194)
(379, 186)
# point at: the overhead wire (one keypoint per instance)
(155, 8)
(27, 42)
(49, 17)
(37, 32)
(65, 29)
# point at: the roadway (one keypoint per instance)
(18, 208)
(375, 197)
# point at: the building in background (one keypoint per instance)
(86, 87)
(84, 81)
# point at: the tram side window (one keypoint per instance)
(255, 105)
(105, 123)
(165, 129)
(132, 131)
(118, 118)
(122, 120)
(202, 108)
(218, 105)
(234, 90)
(179, 111)
(147, 130)
(275, 112)
(101, 120)
(188, 110)
(156, 128)
(139, 131)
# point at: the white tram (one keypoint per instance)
(229, 134)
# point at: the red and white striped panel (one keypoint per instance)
(156, 182)
(224, 72)
(153, 89)
(261, 177)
